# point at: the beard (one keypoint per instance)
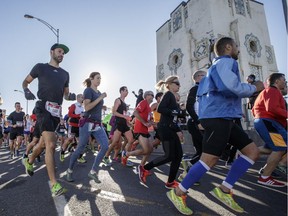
(57, 59)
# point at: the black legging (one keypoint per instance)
(173, 152)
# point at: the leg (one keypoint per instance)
(50, 144)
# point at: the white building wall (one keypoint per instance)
(183, 42)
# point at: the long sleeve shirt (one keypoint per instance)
(270, 104)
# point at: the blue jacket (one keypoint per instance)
(220, 92)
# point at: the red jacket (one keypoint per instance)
(271, 104)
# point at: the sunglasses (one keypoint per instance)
(176, 83)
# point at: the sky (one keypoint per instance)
(115, 38)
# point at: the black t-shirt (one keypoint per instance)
(17, 118)
(51, 82)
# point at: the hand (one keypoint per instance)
(71, 96)
(259, 86)
(200, 127)
(29, 95)
(104, 95)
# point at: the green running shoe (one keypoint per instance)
(57, 190)
(106, 161)
(179, 202)
(226, 199)
(94, 176)
(28, 167)
(81, 160)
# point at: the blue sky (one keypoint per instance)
(116, 38)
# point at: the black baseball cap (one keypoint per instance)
(62, 46)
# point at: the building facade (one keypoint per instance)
(185, 41)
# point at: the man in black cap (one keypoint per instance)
(52, 87)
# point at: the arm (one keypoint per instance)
(228, 82)
(69, 96)
(28, 94)
(137, 115)
(71, 112)
(88, 105)
(191, 99)
(165, 103)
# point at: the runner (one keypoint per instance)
(53, 84)
(91, 124)
(17, 130)
(168, 108)
(220, 94)
(119, 111)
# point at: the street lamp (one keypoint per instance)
(54, 30)
(1, 100)
(26, 100)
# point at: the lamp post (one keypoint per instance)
(54, 30)
(1, 100)
(26, 100)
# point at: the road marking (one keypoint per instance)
(113, 196)
(61, 204)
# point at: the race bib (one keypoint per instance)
(93, 127)
(19, 123)
(53, 108)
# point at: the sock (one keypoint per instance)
(264, 177)
(69, 170)
(238, 168)
(92, 171)
(194, 175)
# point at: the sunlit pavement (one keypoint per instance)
(121, 193)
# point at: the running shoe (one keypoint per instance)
(62, 157)
(69, 176)
(171, 185)
(179, 202)
(270, 182)
(129, 163)
(28, 167)
(94, 176)
(124, 158)
(17, 153)
(227, 199)
(11, 156)
(81, 160)
(57, 190)
(107, 161)
(142, 173)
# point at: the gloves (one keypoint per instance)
(71, 97)
(28, 94)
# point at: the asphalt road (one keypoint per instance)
(121, 193)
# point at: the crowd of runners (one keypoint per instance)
(213, 112)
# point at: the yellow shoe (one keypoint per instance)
(226, 199)
(179, 202)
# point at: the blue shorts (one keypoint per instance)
(273, 133)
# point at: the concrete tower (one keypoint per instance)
(185, 41)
